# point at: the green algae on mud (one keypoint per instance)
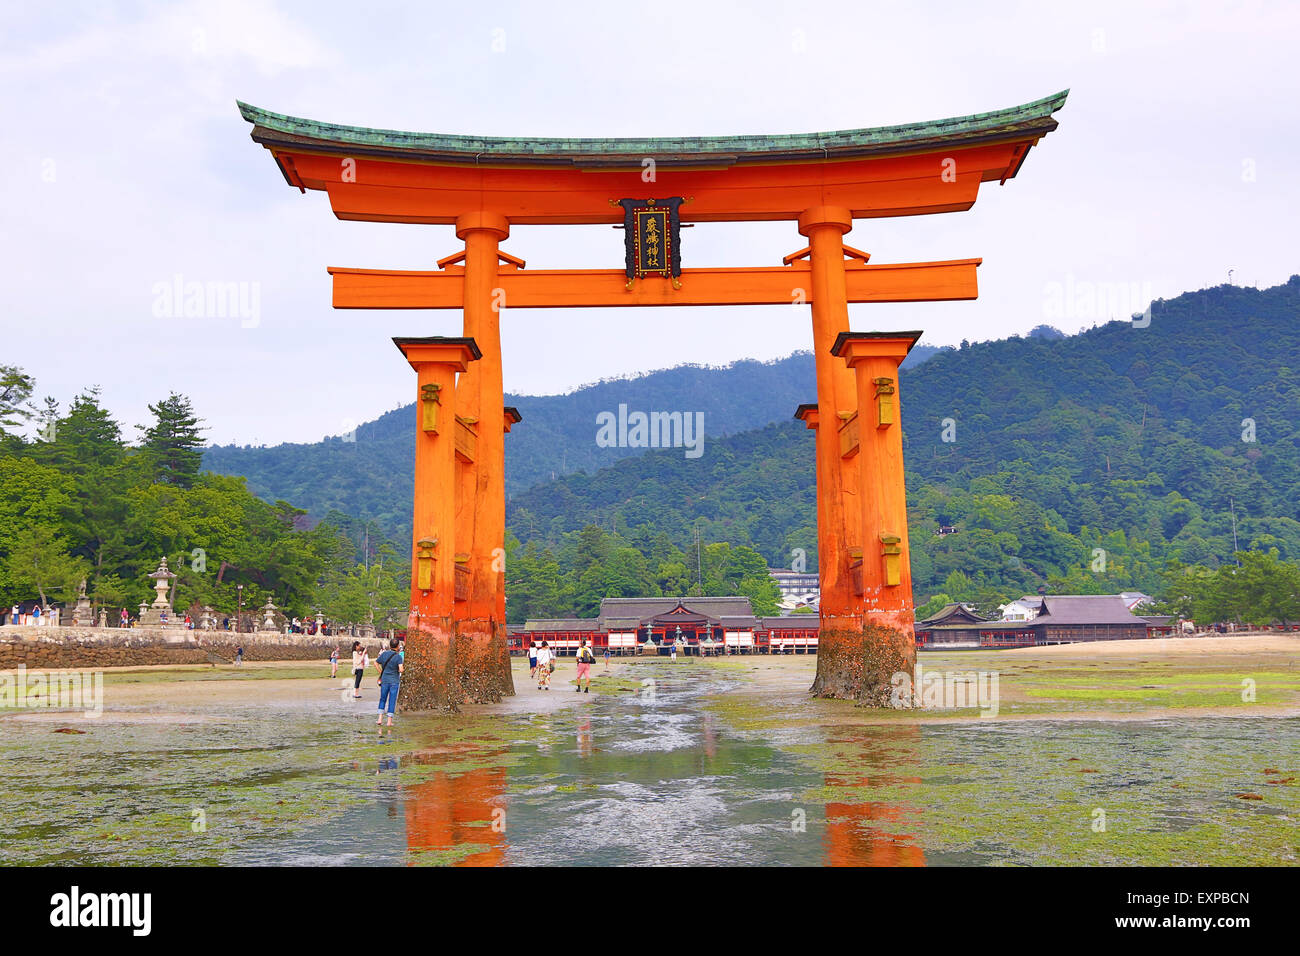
(206, 672)
(1136, 797)
(969, 790)
(298, 780)
(175, 794)
(445, 856)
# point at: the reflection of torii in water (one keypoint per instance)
(823, 182)
(452, 810)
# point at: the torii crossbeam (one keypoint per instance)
(586, 288)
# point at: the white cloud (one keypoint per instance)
(132, 108)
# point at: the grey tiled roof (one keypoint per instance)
(1085, 609)
(947, 613)
(625, 614)
(1064, 610)
(641, 608)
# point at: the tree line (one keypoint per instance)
(78, 502)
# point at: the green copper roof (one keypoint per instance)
(277, 130)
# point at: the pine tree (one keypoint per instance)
(86, 445)
(172, 445)
(15, 388)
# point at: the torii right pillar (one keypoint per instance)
(862, 665)
(482, 655)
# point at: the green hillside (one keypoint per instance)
(1089, 463)
(1121, 448)
(370, 478)
(1080, 463)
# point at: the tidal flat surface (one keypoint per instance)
(702, 762)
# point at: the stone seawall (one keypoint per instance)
(75, 648)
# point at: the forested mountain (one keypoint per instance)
(1080, 463)
(1084, 464)
(370, 478)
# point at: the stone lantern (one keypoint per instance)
(83, 614)
(268, 619)
(162, 602)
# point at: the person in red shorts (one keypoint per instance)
(585, 659)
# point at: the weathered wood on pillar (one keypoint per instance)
(482, 654)
(429, 679)
(864, 669)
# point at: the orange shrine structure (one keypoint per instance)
(822, 183)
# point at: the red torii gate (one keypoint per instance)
(456, 648)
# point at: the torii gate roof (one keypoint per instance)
(434, 177)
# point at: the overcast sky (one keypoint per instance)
(129, 165)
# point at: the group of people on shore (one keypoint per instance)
(541, 664)
(391, 663)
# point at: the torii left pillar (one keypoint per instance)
(429, 679)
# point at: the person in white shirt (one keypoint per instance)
(544, 658)
(359, 660)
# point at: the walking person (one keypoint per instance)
(585, 659)
(673, 652)
(545, 664)
(606, 657)
(390, 664)
(532, 658)
(239, 655)
(125, 619)
(334, 664)
(359, 659)
(15, 616)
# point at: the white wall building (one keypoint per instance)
(798, 588)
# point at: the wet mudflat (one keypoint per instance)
(701, 762)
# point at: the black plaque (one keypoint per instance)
(651, 238)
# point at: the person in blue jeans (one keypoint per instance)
(390, 679)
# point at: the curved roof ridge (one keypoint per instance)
(1033, 117)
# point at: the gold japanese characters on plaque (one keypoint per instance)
(651, 238)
